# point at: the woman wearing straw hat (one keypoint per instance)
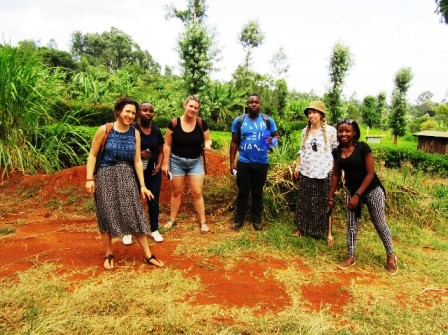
(313, 170)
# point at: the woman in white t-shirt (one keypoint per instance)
(313, 170)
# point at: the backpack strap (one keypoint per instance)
(240, 122)
(109, 127)
(174, 123)
(198, 120)
(266, 120)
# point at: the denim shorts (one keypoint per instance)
(180, 166)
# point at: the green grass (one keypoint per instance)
(7, 230)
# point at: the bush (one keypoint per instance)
(395, 157)
(67, 145)
(81, 113)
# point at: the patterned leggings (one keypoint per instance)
(374, 200)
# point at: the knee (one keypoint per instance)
(197, 195)
(176, 193)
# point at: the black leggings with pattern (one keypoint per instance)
(375, 201)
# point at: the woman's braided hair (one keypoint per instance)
(323, 124)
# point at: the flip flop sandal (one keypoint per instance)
(297, 233)
(330, 242)
(109, 259)
(151, 260)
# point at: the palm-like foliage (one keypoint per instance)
(92, 86)
(223, 104)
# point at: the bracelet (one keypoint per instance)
(358, 194)
(90, 179)
(330, 199)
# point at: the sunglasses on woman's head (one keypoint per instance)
(314, 145)
(347, 121)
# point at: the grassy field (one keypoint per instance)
(44, 300)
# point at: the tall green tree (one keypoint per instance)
(196, 46)
(340, 63)
(442, 10)
(381, 108)
(424, 104)
(57, 58)
(368, 111)
(441, 115)
(251, 37)
(280, 98)
(400, 106)
(280, 64)
(113, 49)
(247, 82)
(196, 10)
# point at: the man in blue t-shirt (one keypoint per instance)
(252, 136)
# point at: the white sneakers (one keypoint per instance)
(156, 236)
(127, 239)
(204, 228)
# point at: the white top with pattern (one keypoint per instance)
(317, 164)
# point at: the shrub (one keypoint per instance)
(395, 157)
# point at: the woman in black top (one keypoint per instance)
(363, 186)
(151, 151)
(185, 139)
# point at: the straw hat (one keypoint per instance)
(316, 105)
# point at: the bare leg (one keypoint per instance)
(177, 187)
(196, 184)
(107, 242)
(143, 242)
(109, 263)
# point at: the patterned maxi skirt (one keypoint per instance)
(312, 206)
(118, 205)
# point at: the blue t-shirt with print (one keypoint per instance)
(252, 147)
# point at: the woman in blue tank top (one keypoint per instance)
(118, 207)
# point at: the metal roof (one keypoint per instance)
(432, 133)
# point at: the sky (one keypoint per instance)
(383, 36)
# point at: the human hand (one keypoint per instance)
(156, 170)
(296, 174)
(165, 169)
(353, 203)
(90, 186)
(233, 170)
(146, 154)
(146, 193)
